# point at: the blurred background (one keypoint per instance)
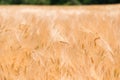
(59, 2)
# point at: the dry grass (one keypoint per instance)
(52, 43)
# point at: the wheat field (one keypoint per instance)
(60, 42)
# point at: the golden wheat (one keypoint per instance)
(60, 43)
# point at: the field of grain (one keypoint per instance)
(60, 42)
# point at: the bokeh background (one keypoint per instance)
(58, 2)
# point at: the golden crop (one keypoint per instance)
(60, 42)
